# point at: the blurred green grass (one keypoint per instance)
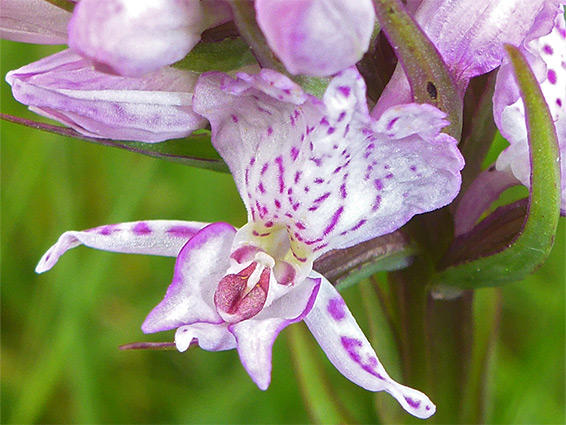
(61, 330)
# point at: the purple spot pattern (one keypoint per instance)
(353, 347)
(337, 308)
(313, 163)
(142, 228)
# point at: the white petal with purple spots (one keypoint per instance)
(152, 237)
(346, 346)
(324, 172)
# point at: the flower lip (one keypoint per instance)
(240, 296)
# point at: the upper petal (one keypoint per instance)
(134, 37)
(346, 346)
(67, 88)
(256, 336)
(33, 21)
(199, 267)
(316, 37)
(151, 237)
(470, 35)
(323, 170)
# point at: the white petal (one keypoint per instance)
(338, 334)
(152, 237)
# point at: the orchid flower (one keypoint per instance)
(67, 88)
(547, 55)
(316, 37)
(135, 37)
(470, 35)
(314, 176)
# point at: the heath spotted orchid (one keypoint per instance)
(314, 176)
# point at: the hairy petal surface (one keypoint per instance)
(316, 37)
(190, 298)
(135, 37)
(547, 57)
(33, 21)
(255, 336)
(67, 88)
(338, 334)
(151, 237)
(324, 171)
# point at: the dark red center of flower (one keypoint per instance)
(234, 297)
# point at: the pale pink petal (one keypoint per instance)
(134, 37)
(346, 346)
(66, 87)
(209, 336)
(470, 35)
(151, 237)
(547, 57)
(316, 37)
(33, 21)
(200, 265)
(256, 336)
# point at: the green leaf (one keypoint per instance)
(226, 55)
(67, 5)
(346, 267)
(533, 243)
(426, 71)
(194, 150)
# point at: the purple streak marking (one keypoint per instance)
(279, 161)
(392, 123)
(322, 198)
(294, 153)
(376, 204)
(334, 221)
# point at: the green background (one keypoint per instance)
(61, 330)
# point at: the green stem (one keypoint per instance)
(321, 403)
(244, 17)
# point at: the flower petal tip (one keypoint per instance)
(413, 401)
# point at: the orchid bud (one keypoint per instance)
(316, 37)
(67, 88)
(134, 37)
